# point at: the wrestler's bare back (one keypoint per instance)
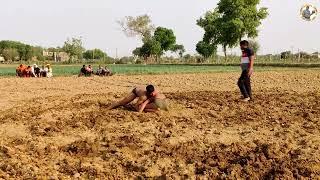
(142, 97)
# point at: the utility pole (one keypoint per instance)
(299, 55)
(116, 53)
(292, 53)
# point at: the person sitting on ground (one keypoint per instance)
(89, 70)
(149, 100)
(43, 71)
(104, 71)
(108, 71)
(18, 72)
(20, 69)
(50, 72)
(83, 71)
(27, 72)
(36, 70)
(100, 71)
(32, 72)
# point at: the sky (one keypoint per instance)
(50, 23)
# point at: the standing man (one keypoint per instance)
(247, 61)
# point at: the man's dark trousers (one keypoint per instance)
(245, 84)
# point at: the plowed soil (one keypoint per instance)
(59, 128)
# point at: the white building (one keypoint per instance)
(316, 55)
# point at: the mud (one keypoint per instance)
(60, 129)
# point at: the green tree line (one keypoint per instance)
(17, 51)
(14, 50)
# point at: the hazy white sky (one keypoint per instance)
(50, 23)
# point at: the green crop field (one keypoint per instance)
(69, 70)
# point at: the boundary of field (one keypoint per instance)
(277, 66)
(305, 65)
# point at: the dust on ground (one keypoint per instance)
(60, 128)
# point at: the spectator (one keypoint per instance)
(50, 73)
(108, 71)
(83, 71)
(43, 71)
(33, 74)
(89, 70)
(99, 71)
(20, 70)
(28, 72)
(36, 70)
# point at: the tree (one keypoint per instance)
(231, 21)
(187, 56)
(206, 49)
(21, 51)
(165, 37)
(210, 25)
(53, 49)
(162, 41)
(151, 48)
(74, 48)
(137, 26)
(10, 54)
(253, 44)
(94, 54)
(177, 48)
(38, 53)
(137, 52)
(10, 44)
(285, 55)
(28, 53)
(142, 26)
(25, 52)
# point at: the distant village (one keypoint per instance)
(48, 55)
(72, 50)
(55, 56)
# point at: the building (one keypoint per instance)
(316, 55)
(56, 56)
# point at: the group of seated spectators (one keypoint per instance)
(34, 71)
(88, 71)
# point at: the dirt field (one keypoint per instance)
(60, 128)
